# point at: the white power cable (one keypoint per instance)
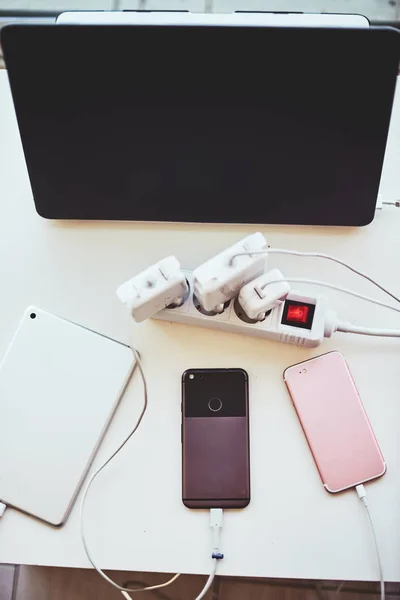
(317, 255)
(209, 580)
(362, 494)
(332, 287)
(216, 514)
(339, 587)
(151, 587)
(99, 470)
(344, 327)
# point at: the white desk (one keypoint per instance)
(136, 520)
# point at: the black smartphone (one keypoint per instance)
(215, 438)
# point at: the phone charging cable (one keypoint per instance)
(362, 494)
(216, 514)
(216, 517)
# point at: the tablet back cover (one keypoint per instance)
(60, 384)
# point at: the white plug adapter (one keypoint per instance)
(219, 279)
(263, 293)
(161, 285)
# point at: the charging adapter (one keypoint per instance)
(261, 295)
(161, 285)
(219, 279)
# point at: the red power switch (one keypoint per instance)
(297, 313)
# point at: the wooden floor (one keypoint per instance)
(44, 583)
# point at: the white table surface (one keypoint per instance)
(136, 520)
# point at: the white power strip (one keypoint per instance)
(230, 281)
(235, 320)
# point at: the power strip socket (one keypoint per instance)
(234, 319)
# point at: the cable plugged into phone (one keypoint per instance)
(216, 514)
(216, 517)
(323, 392)
(216, 520)
(362, 494)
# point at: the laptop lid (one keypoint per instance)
(209, 124)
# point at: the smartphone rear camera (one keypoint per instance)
(191, 376)
(215, 404)
(207, 313)
(33, 315)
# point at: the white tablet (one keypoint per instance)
(229, 19)
(60, 384)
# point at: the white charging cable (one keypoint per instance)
(150, 587)
(332, 287)
(319, 255)
(216, 516)
(362, 494)
(215, 513)
(137, 363)
(343, 326)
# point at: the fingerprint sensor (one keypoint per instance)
(215, 404)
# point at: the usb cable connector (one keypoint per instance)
(362, 494)
(216, 519)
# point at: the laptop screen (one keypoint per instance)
(203, 124)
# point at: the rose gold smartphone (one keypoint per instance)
(334, 422)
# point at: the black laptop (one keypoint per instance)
(203, 124)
